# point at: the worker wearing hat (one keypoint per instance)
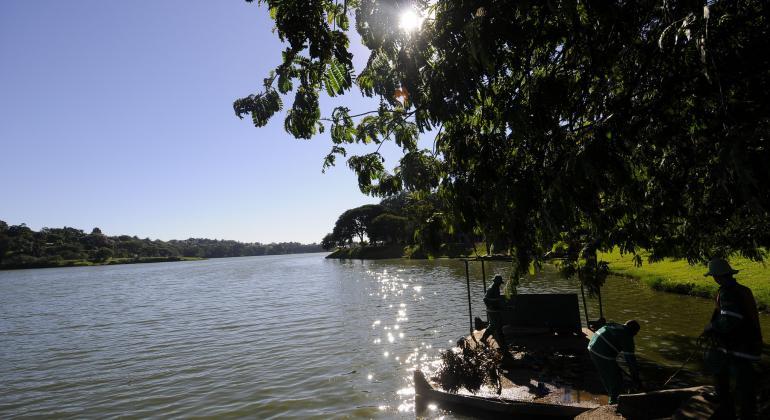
(493, 301)
(606, 344)
(737, 341)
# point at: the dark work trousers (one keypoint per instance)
(610, 374)
(495, 328)
(745, 376)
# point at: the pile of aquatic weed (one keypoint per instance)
(469, 368)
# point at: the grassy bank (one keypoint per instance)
(415, 252)
(368, 252)
(86, 263)
(679, 277)
(674, 276)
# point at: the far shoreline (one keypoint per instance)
(87, 263)
(124, 261)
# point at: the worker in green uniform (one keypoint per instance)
(737, 342)
(605, 346)
(494, 303)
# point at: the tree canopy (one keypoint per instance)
(408, 219)
(630, 124)
(356, 222)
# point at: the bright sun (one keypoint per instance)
(409, 21)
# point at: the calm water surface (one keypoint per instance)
(278, 336)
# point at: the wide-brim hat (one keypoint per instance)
(719, 267)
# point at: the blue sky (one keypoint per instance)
(119, 115)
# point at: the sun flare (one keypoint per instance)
(410, 21)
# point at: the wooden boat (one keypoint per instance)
(543, 325)
(425, 394)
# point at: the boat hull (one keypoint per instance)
(426, 394)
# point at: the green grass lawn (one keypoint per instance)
(679, 277)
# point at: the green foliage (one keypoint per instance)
(21, 247)
(417, 221)
(355, 222)
(337, 79)
(261, 106)
(5, 240)
(302, 118)
(329, 242)
(420, 171)
(636, 125)
(101, 255)
(388, 228)
(342, 126)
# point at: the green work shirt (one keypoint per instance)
(611, 340)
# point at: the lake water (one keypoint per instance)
(276, 336)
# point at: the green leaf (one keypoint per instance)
(368, 167)
(331, 81)
(336, 79)
(343, 22)
(261, 106)
(330, 158)
(284, 83)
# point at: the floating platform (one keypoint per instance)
(548, 373)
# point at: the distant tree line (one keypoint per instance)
(21, 246)
(407, 219)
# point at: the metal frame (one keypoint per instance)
(506, 258)
(483, 277)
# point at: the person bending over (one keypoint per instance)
(607, 343)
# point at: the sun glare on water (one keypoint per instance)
(410, 21)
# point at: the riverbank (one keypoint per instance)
(677, 276)
(384, 252)
(86, 263)
(673, 276)
(369, 253)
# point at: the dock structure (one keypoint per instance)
(533, 310)
(546, 369)
(551, 376)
